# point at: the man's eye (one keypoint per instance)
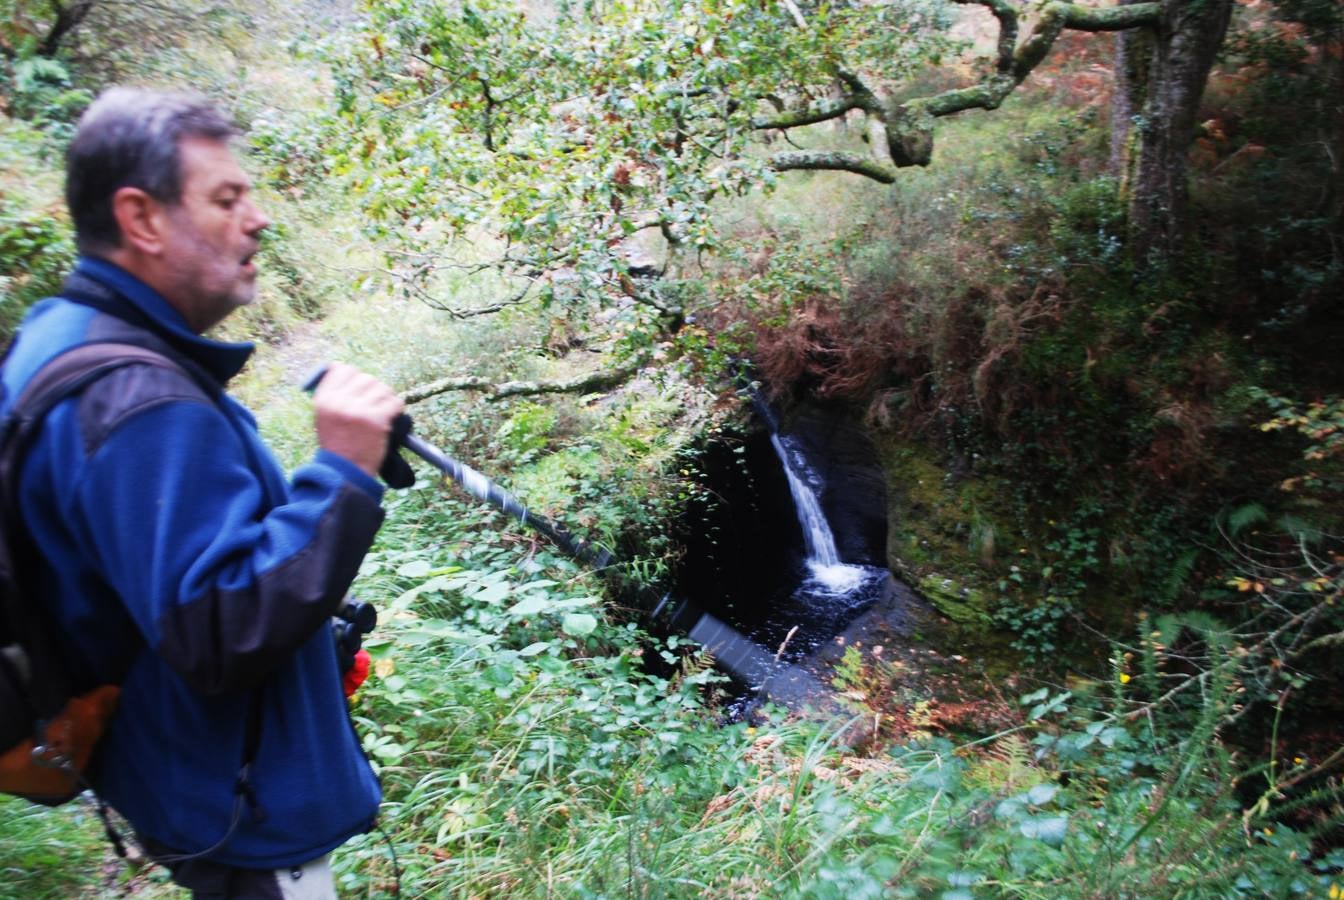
(227, 203)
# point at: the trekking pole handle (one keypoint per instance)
(394, 470)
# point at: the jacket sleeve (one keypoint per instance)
(223, 584)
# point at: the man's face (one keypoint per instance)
(216, 228)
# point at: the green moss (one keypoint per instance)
(963, 605)
(945, 533)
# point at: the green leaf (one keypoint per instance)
(529, 606)
(1049, 830)
(494, 593)
(578, 624)
(416, 568)
(1042, 794)
(885, 827)
(1034, 696)
(498, 675)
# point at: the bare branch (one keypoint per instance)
(467, 312)
(1325, 641)
(603, 380)
(834, 161)
(817, 111)
(410, 285)
(795, 12)
(1111, 18)
(1007, 16)
(68, 18)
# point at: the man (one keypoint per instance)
(179, 562)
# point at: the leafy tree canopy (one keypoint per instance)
(549, 139)
(561, 136)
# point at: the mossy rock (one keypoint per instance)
(964, 605)
(944, 531)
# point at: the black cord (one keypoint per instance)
(174, 858)
(396, 867)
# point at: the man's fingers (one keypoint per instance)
(347, 389)
(354, 413)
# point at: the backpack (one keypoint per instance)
(47, 731)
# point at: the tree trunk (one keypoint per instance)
(1133, 58)
(1182, 53)
(1334, 60)
(68, 18)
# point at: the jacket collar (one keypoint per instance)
(222, 360)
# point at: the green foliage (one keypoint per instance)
(509, 718)
(1322, 424)
(1037, 628)
(102, 41)
(40, 90)
(46, 853)
(527, 431)
(564, 135)
(36, 250)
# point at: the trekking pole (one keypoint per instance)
(482, 488)
(733, 650)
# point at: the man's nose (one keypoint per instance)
(256, 221)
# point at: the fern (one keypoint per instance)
(1148, 661)
(1169, 628)
(1302, 531)
(691, 666)
(1244, 517)
(1006, 767)
(1177, 577)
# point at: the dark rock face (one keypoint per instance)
(854, 496)
(740, 539)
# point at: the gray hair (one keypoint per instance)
(129, 137)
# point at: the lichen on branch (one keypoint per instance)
(603, 380)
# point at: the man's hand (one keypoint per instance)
(354, 413)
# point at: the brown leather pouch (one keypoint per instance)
(54, 775)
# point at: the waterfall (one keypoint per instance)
(823, 560)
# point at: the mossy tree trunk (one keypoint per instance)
(1334, 61)
(1133, 57)
(1160, 78)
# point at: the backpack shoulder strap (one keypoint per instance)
(61, 377)
(72, 371)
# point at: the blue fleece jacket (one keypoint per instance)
(182, 565)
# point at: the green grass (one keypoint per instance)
(47, 853)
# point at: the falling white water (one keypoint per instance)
(823, 561)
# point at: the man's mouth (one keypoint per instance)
(247, 263)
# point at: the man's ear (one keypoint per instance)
(141, 220)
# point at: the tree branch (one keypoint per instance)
(1111, 18)
(1007, 16)
(67, 20)
(1335, 639)
(817, 111)
(603, 380)
(910, 124)
(833, 161)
